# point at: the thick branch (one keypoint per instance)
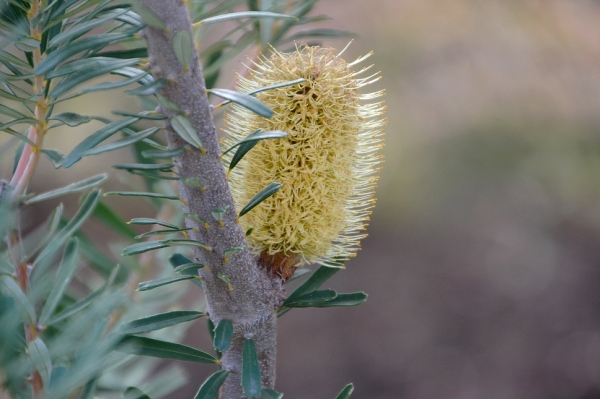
(251, 302)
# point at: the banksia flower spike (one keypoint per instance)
(326, 166)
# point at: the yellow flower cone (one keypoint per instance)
(326, 166)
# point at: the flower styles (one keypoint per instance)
(326, 166)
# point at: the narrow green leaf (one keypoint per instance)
(121, 143)
(95, 139)
(107, 216)
(142, 76)
(218, 213)
(143, 247)
(96, 41)
(270, 87)
(177, 260)
(63, 277)
(15, 291)
(80, 29)
(196, 218)
(251, 380)
(322, 274)
(70, 118)
(150, 115)
(27, 44)
(132, 72)
(140, 52)
(188, 266)
(183, 46)
(164, 167)
(189, 243)
(245, 100)
(157, 154)
(4, 110)
(141, 194)
(8, 57)
(260, 197)
(152, 284)
(28, 121)
(245, 14)
(193, 182)
(70, 189)
(76, 307)
(231, 251)
(148, 89)
(134, 393)
(41, 359)
(52, 223)
(77, 78)
(149, 16)
(185, 130)
(56, 157)
(84, 211)
(168, 104)
(160, 232)
(145, 221)
(165, 350)
(223, 334)
(159, 321)
(270, 394)
(346, 392)
(210, 387)
(241, 151)
(258, 135)
(311, 300)
(350, 299)
(13, 97)
(298, 273)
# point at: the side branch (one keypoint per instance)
(251, 301)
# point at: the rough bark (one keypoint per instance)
(251, 302)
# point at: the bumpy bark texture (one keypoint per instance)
(251, 302)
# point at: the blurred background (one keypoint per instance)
(482, 263)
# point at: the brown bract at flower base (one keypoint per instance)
(326, 166)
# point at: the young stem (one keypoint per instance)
(251, 302)
(31, 154)
(20, 180)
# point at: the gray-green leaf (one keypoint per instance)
(63, 277)
(223, 334)
(124, 142)
(183, 47)
(150, 285)
(15, 291)
(148, 16)
(346, 392)
(159, 321)
(210, 388)
(70, 118)
(184, 128)
(245, 100)
(70, 189)
(251, 380)
(260, 197)
(165, 350)
(41, 359)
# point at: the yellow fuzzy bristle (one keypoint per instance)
(326, 166)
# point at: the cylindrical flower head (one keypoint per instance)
(326, 166)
